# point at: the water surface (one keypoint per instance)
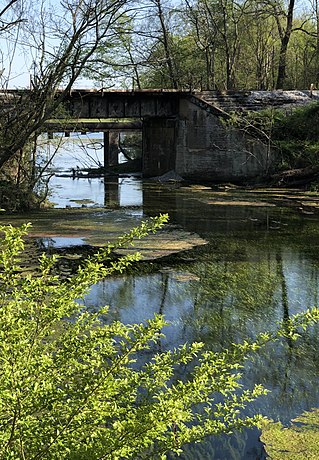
(261, 264)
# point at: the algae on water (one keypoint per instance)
(299, 441)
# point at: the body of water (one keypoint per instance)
(261, 265)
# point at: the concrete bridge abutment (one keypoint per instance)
(159, 145)
(199, 145)
(207, 148)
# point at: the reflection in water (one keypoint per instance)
(59, 242)
(122, 192)
(260, 267)
(244, 282)
(110, 192)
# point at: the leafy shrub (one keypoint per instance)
(70, 385)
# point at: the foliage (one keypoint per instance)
(73, 385)
(301, 124)
(297, 154)
(299, 440)
(221, 44)
(260, 124)
(189, 65)
(131, 145)
(13, 197)
(294, 136)
(70, 387)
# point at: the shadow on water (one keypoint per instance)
(261, 265)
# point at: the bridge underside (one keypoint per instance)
(91, 126)
(111, 132)
(181, 132)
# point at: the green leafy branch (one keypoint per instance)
(73, 384)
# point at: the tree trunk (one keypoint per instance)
(281, 77)
(317, 43)
(167, 50)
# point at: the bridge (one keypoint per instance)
(184, 131)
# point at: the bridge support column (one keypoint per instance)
(159, 146)
(111, 148)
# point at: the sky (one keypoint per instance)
(16, 60)
(16, 68)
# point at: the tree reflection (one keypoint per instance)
(228, 294)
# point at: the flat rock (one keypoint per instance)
(164, 243)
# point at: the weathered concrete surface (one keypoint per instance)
(159, 145)
(207, 149)
(239, 101)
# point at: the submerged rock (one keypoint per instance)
(169, 176)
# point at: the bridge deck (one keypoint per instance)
(82, 125)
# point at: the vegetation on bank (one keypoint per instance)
(292, 135)
(296, 135)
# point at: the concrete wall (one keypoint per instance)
(208, 150)
(159, 145)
